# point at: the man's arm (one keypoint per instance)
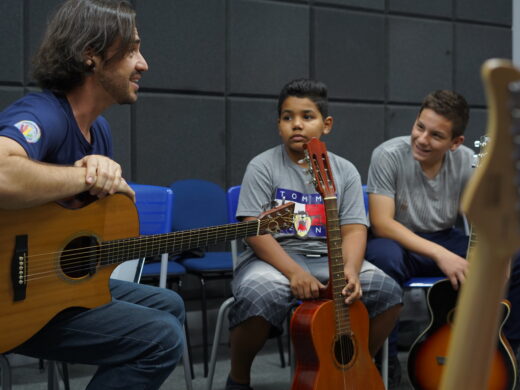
(26, 183)
(383, 224)
(303, 284)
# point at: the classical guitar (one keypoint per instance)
(53, 258)
(427, 355)
(491, 203)
(330, 338)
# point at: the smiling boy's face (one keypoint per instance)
(299, 121)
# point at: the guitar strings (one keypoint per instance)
(115, 252)
(177, 240)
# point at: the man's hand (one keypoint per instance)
(103, 175)
(305, 286)
(454, 267)
(352, 290)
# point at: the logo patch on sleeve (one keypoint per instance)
(30, 131)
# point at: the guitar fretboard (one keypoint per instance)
(118, 251)
(336, 266)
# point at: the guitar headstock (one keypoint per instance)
(491, 200)
(277, 219)
(319, 166)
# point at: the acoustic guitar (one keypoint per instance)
(330, 338)
(53, 258)
(491, 203)
(427, 356)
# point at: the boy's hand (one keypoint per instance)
(305, 286)
(453, 266)
(352, 289)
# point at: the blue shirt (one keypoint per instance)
(44, 125)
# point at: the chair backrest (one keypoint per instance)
(198, 203)
(155, 209)
(365, 197)
(233, 194)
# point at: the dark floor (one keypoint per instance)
(267, 373)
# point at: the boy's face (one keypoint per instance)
(432, 137)
(299, 121)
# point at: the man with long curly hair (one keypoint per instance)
(55, 145)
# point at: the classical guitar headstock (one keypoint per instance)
(319, 167)
(491, 200)
(277, 219)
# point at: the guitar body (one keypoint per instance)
(427, 357)
(54, 284)
(322, 361)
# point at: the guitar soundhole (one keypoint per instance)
(344, 349)
(80, 257)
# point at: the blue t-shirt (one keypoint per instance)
(44, 125)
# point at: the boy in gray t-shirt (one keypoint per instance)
(275, 271)
(415, 184)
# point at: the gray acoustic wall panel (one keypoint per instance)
(179, 137)
(473, 45)
(370, 4)
(400, 120)
(442, 8)
(495, 11)
(208, 103)
(38, 14)
(11, 43)
(421, 57)
(184, 44)
(252, 129)
(357, 130)
(120, 120)
(349, 53)
(268, 45)
(8, 95)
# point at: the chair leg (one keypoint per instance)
(65, 375)
(186, 359)
(204, 325)
(52, 376)
(188, 343)
(384, 364)
(281, 351)
(5, 370)
(222, 311)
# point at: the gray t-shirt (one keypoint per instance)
(423, 205)
(271, 177)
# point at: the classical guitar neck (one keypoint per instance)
(491, 204)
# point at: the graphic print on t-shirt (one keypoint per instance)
(309, 213)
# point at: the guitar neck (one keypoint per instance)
(336, 266)
(118, 251)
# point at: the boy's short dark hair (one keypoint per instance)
(78, 26)
(450, 105)
(306, 88)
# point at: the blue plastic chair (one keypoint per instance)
(201, 203)
(155, 209)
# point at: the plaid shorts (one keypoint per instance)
(261, 290)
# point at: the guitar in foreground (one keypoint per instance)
(330, 338)
(427, 357)
(491, 203)
(53, 258)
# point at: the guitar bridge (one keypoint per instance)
(19, 268)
